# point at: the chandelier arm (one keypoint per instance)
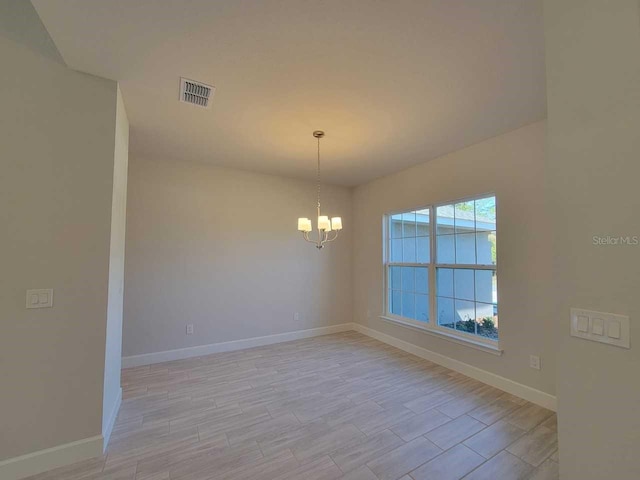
(335, 235)
(305, 235)
(323, 238)
(318, 243)
(326, 238)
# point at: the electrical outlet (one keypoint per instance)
(296, 316)
(190, 329)
(534, 362)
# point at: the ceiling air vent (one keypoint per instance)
(196, 93)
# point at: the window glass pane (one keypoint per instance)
(408, 305)
(487, 315)
(422, 280)
(466, 248)
(396, 302)
(463, 281)
(465, 310)
(486, 213)
(423, 253)
(484, 310)
(395, 226)
(484, 286)
(486, 245)
(409, 224)
(409, 250)
(408, 281)
(465, 217)
(444, 286)
(423, 230)
(396, 250)
(444, 219)
(422, 223)
(394, 278)
(494, 287)
(422, 308)
(445, 249)
(446, 314)
(466, 316)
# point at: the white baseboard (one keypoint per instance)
(181, 353)
(523, 391)
(108, 427)
(50, 458)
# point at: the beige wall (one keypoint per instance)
(56, 175)
(218, 248)
(593, 85)
(511, 166)
(113, 348)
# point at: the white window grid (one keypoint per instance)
(432, 266)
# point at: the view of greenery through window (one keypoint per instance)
(459, 288)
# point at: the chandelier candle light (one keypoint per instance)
(327, 229)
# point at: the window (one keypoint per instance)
(442, 270)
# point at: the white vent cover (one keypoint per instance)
(196, 93)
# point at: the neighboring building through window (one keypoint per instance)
(441, 264)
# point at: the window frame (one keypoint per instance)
(432, 326)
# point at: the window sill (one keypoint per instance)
(459, 339)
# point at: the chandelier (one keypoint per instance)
(327, 229)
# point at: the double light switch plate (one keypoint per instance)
(40, 298)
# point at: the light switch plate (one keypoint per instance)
(40, 298)
(601, 327)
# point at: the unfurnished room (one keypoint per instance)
(319, 240)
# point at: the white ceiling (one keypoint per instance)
(393, 83)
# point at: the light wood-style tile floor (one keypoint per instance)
(341, 406)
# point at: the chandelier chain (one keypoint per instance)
(318, 175)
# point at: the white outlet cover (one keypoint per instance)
(534, 362)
